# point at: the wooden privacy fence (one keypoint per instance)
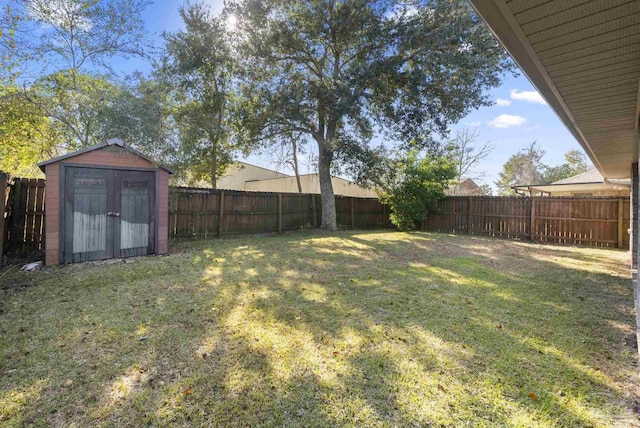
(23, 223)
(602, 222)
(204, 212)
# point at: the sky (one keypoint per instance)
(518, 117)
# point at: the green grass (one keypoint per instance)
(344, 329)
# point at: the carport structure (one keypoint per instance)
(583, 56)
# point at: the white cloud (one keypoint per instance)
(507, 121)
(502, 102)
(474, 124)
(528, 96)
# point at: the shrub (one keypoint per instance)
(412, 186)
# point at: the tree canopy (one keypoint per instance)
(55, 35)
(340, 74)
(198, 66)
(344, 71)
(575, 163)
(57, 73)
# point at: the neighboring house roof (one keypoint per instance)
(110, 142)
(591, 176)
(579, 57)
(242, 165)
(466, 187)
(588, 181)
(244, 176)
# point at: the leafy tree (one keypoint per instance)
(575, 163)
(75, 103)
(198, 64)
(412, 186)
(342, 71)
(27, 136)
(139, 111)
(525, 167)
(9, 58)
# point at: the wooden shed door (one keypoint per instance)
(108, 213)
(135, 204)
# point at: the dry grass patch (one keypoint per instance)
(346, 329)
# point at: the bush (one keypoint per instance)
(412, 187)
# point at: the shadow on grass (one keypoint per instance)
(350, 328)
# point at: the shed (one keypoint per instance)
(103, 202)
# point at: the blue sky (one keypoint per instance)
(520, 118)
(527, 119)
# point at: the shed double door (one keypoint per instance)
(108, 213)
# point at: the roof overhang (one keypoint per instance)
(583, 57)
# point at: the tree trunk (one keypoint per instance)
(295, 164)
(326, 188)
(214, 165)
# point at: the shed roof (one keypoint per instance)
(110, 142)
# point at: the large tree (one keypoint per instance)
(26, 134)
(198, 64)
(343, 71)
(74, 102)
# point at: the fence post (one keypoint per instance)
(353, 213)
(280, 213)
(313, 208)
(17, 215)
(532, 220)
(620, 222)
(221, 214)
(469, 215)
(385, 222)
(3, 194)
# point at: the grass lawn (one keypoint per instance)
(343, 329)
